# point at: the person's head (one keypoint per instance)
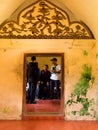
(46, 67)
(33, 58)
(54, 61)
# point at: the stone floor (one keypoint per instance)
(48, 125)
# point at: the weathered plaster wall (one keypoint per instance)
(76, 52)
(80, 91)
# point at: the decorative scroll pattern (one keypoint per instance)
(43, 20)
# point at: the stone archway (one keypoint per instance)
(44, 27)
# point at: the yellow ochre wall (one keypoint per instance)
(76, 54)
(11, 73)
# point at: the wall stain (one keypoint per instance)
(85, 53)
(18, 70)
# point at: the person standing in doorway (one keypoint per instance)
(32, 79)
(44, 83)
(55, 78)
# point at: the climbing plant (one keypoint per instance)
(79, 94)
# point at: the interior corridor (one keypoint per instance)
(43, 106)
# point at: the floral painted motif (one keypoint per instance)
(43, 20)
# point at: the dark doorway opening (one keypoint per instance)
(44, 104)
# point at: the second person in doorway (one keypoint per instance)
(44, 87)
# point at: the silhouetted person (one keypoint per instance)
(55, 79)
(44, 83)
(32, 79)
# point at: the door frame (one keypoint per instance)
(62, 84)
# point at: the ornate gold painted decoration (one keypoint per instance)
(43, 20)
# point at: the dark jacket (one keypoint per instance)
(45, 76)
(32, 72)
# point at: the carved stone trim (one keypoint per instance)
(44, 20)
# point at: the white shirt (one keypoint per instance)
(56, 76)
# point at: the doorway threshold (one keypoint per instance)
(43, 116)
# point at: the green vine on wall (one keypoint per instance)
(79, 94)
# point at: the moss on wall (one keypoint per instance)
(79, 94)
